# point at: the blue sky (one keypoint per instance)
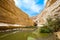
(31, 7)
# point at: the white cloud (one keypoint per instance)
(35, 8)
(18, 3)
(29, 4)
(45, 2)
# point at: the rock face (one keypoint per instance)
(52, 7)
(10, 14)
(33, 18)
(58, 35)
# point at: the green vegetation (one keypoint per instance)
(52, 25)
(45, 30)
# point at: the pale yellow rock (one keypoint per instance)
(52, 7)
(11, 14)
(58, 35)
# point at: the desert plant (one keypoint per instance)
(45, 30)
(52, 25)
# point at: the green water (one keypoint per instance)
(14, 36)
(25, 35)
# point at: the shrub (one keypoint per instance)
(52, 25)
(45, 30)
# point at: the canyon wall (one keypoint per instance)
(52, 7)
(11, 14)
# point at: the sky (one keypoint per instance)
(31, 7)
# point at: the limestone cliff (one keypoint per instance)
(10, 14)
(52, 7)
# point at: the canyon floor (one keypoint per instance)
(26, 35)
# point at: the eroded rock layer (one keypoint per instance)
(52, 7)
(10, 14)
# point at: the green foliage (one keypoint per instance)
(45, 30)
(52, 25)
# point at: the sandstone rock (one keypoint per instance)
(52, 7)
(11, 14)
(57, 34)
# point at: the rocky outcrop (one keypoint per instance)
(52, 7)
(10, 14)
(57, 34)
(33, 18)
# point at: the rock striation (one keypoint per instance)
(52, 7)
(11, 14)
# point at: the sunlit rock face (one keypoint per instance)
(10, 14)
(50, 2)
(52, 7)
